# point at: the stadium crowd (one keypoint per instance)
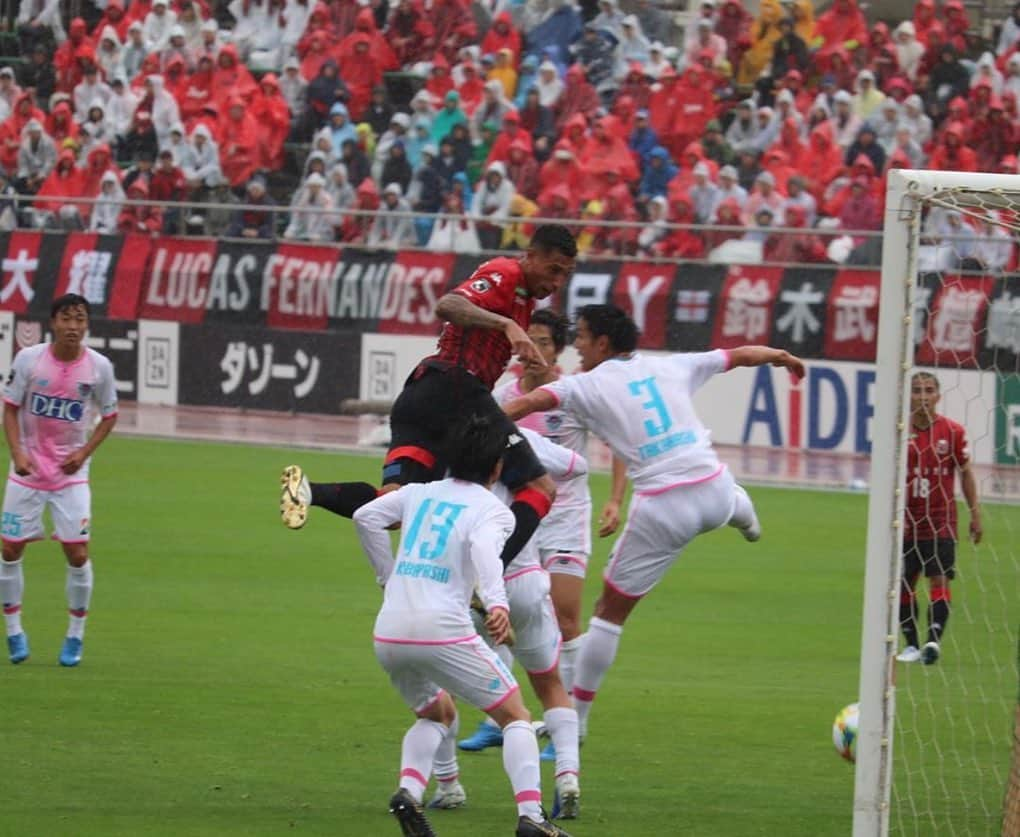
(494, 112)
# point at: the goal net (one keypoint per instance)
(936, 742)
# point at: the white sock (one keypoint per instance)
(12, 587)
(445, 765)
(597, 655)
(417, 754)
(79, 591)
(520, 760)
(569, 652)
(743, 509)
(561, 722)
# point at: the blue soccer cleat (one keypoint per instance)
(549, 753)
(70, 652)
(486, 736)
(17, 647)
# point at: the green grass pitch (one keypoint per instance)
(229, 686)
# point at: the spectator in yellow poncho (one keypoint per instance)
(517, 234)
(764, 33)
(505, 73)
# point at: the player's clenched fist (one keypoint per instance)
(497, 623)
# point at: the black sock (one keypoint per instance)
(342, 498)
(908, 619)
(938, 616)
(527, 522)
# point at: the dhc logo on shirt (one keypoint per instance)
(54, 407)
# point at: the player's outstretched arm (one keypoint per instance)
(762, 355)
(462, 312)
(535, 401)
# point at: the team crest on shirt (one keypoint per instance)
(942, 447)
(85, 389)
(480, 286)
(553, 422)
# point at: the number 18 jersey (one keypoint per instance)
(642, 407)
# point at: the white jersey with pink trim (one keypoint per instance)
(57, 407)
(451, 535)
(567, 526)
(562, 464)
(642, 406)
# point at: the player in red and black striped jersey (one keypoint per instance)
(938, 451)
(487, 318)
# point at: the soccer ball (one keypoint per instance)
(844, 732)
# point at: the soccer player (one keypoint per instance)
(938, 451)
(452, 532)
(53, 395)
(487, 318)
(642, 407)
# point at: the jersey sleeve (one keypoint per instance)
(564, 390)
(371, 522)
(961, 447)
(703, 365)
(559, 461)
(106, 389)
(17, 380)
(487, 540)
(488, 288)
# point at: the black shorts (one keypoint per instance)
(433, 399)
(937, 557)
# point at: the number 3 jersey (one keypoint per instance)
(58, 403)
(451, 535)
(933, 458)
(642, 407)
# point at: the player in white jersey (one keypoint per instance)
(55, 394)
(642, 406)
(452, 533)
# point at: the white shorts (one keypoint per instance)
(70, 511)
(567, 531)
(468, 669)
(659, 526)
(562, 562)
(537, 644)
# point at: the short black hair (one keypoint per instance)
(557, 324)
(550, 237)
(612, 322)
(69, 301)
(477, 444)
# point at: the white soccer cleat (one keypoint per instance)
(930, 653)
(752, 532)
(568, 797)
(448, 795)
(541, 730)
(910, 654)
(295, 497)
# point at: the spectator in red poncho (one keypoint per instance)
(835, 61)
(605, 153)
(950, 153)
(355, 227)
(860, 211)
(24, 111)
(522, 169)
(693, 154)
(239, 144)
(502, 35)
(176, 80)
(796, 248)
(617, 205)
(733, 24)
(343, 15)
(563, 170)
(439, 83)
(636, 86)
(841, 24)
(168, 184)
(318, 21)
(65, 60)
(623, 116)
(365, 29)
(821, 161)
(727, 214)
(361, 72)
(411, 34)
(681, 243)
(993, 136)
(924, 19)
(579, 97)
(115, 18)
(319, 51)
(662, 102)
(777, 161)
(99, 162)
(471, 89)
(512, 132)
(558, 202)
(454, 25)
(198, 92)
(138, 10)
(231, 78)
(61, 124)
(789, 141)
(694, 107)
(141, 218)
(575, 135)
(273, 118)
(55, 195)
(957, 25)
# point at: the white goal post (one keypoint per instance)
(908, 193)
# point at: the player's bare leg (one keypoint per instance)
(911, 653)
(567, 592)
(938, 616)
(79, 593)
(560, 719)
(12, 587)
(599, 650)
